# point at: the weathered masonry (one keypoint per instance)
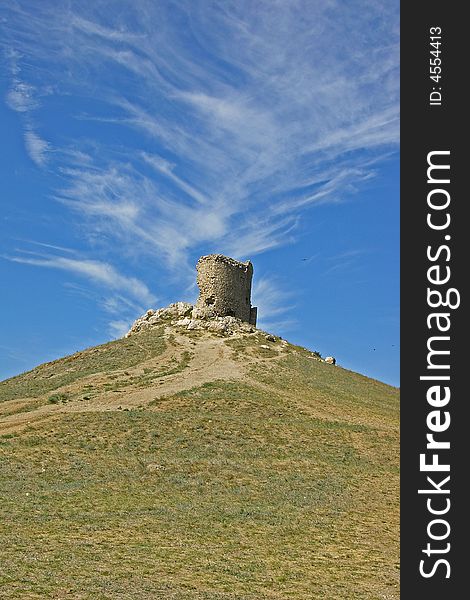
(224, 288)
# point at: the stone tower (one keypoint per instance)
(224, 288)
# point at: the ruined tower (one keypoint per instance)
(224, 288)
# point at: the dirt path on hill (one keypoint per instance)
(210, 359)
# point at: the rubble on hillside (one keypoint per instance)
(180, 314)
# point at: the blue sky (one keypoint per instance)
(137, 136)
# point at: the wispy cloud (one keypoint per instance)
(36, 147)
(99, 272)
(119, 310)
(118, 329)
(44, 245)
(273, 303)
(20, 97)
(344, 260)
(233, 119)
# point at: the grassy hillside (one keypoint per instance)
(189, 466)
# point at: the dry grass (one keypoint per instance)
(229, 490)
(120, 354)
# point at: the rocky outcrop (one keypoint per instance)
(181, 314)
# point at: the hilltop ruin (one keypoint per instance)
(223, 306)
(224, 303)
(224, 288)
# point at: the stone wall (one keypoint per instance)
(224, 288)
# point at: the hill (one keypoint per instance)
(187, 464)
